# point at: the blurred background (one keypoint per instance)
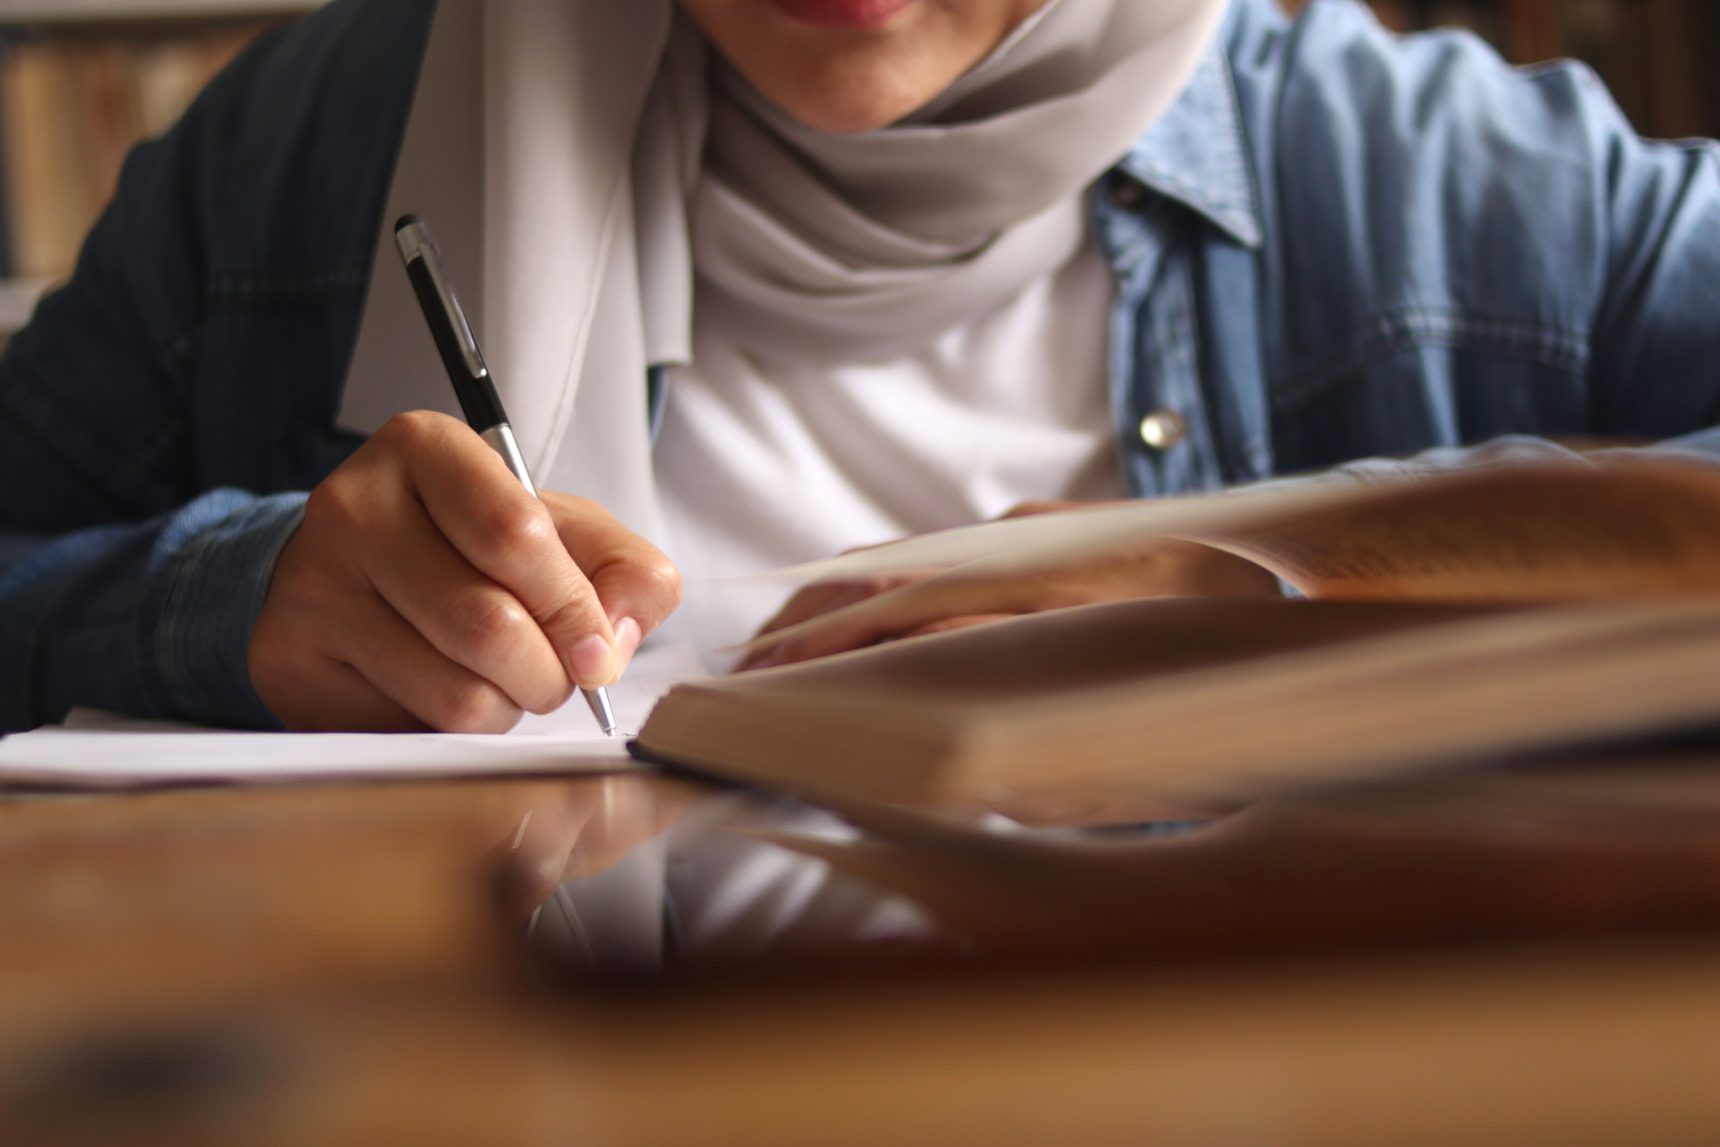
(81, 80)
(1653, 54)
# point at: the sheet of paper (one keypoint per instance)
(103, 751)
(100, 750)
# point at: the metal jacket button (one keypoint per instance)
(1163, 429)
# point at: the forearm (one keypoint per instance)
(149, 618)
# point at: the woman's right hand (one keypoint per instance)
(428, 589)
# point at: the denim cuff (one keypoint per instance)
(215, 585)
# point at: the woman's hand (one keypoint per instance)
(428, 589)
(820, 620)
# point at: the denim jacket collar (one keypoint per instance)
(1197, 154)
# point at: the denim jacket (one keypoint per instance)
(1339, 247)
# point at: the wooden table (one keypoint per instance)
(1512, 960)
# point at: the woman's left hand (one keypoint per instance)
(935, 601)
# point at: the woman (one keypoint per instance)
(875, 265)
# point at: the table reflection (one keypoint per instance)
(643, 874)
(281, 965)
(648, 875)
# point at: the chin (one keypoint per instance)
(847, 104)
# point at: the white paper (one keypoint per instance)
(101, 750)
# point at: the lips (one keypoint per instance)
(857, 15)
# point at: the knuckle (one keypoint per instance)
(475, 707)
(519, 529)
(486, 625)
(661, 579)
(877, 584)
(411, 430)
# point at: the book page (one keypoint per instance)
(1622, 529)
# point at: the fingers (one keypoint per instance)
(811, 602)
(898, 612)
(426, 587)
(816, 601)
(637, 585)
(950, 624)
(346, 700)
(788, 653)
(841, 626)
(469, 619)
(331, 697)
(403, 667)
(510, 537)
(377, 675)
(1165, 567)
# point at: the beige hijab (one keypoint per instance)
(615, 175)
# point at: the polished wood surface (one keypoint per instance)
(1511, 959)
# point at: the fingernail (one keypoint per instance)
(592, 662)
(628, 635)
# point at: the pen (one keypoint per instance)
(476, 391)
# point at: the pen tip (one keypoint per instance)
(598, 701)
(405, 221)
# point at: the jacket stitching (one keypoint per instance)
(251, 288)
(1393, 331)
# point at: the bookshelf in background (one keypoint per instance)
(1653, 54)
(80, 82)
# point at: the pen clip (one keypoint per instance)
(417, 245)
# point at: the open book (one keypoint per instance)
(1450, 620)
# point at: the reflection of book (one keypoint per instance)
(1453, 620)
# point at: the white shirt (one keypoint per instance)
(762, 464)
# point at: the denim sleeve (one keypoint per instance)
(1701, 447)
(1634, 227)
(150, 618)
(1656, 341)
